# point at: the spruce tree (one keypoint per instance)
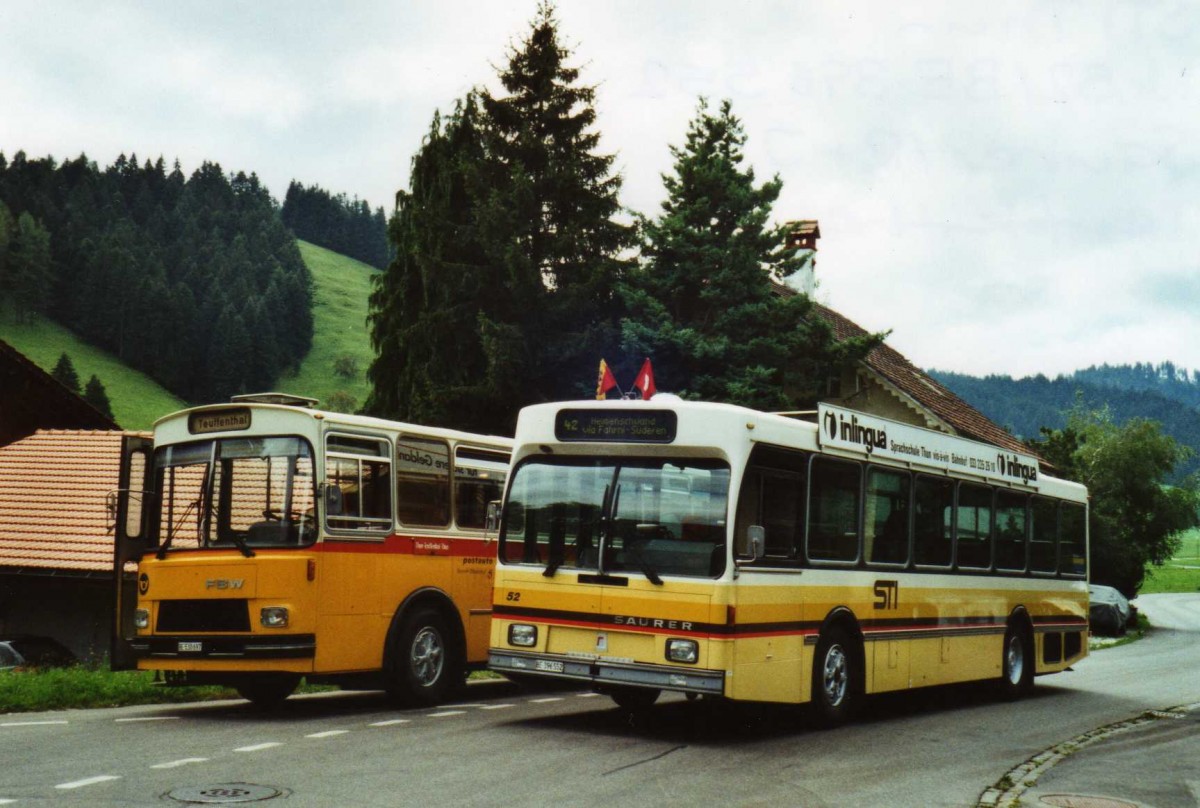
(704, 304)
(95, 395)
(64, 372)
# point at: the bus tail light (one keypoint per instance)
(273, 616)
(522, 635)
(683, 651)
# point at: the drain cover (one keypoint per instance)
(224, 793)
(1082, 801)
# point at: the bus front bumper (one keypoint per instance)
(601, 673)
(247, 646)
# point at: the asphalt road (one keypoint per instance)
(500, 745)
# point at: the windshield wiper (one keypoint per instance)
(162, 550)
(241, 544)
(632, 549)
(557, 551)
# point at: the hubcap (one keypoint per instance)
(1016, 660)
(426, 657)
(836, 676)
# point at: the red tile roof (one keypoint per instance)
(923, 388)
(53, 489)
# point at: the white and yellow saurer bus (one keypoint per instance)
(274, 541)
(718, 551)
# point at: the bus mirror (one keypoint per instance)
(756, 537)
(492, 526)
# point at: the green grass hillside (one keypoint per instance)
(137, 400)
(341, 287)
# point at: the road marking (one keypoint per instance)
(88, 781)
(546, 701)
(456, 706)
(148, 718)
(496, 706)
(174, 764)
(6, 802)
(587, 695)
(258, 746)
(329, 733)
(33, 724)
(391, 722)
(445, 713)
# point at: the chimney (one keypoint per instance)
(802, 237)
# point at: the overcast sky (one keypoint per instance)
(1009, 187)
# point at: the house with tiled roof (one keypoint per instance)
(886, 383)
(56, 549)
(30, 399)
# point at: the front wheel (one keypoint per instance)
(835, 679)
(267, 692)
(1016, 678)
(423, 661)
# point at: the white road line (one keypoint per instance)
(6, 802)
(258, 746)
(175, 764)
(328, 733)
(148, 718)
(496, 706)
(546, 701)
(33, 724)
(587, 695)
(445, 713)
(456, 706)
(88, 781)
(391, 722)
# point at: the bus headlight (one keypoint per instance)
(683, 651)
(141, 618)
(522, 635)
(273, 616)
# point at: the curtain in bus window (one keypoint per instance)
(933, 503)
(1072, 545)
(1010, 531)
(423, 482)
(833, 510)
(885, 525)
(1044, 535)
(973, 521)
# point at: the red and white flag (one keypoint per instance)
(605, 382)
(645, 381)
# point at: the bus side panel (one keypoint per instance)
(474, 565)
(349, 633)
(770, 660)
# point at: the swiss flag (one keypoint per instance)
(645, 381)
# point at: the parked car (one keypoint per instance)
(28, 651)
(1108, 611)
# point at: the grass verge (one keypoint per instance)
(81, 686)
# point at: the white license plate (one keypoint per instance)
(185, 647)
(550, 666)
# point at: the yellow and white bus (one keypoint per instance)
(273, 541)
(719, 551)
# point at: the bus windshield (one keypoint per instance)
(657, 517)
(236, 493)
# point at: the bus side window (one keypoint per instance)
(1010, 531)
(933, 501)
(885, 528)
(748, 511)
(1042, 551)
(782, 498)
(423, 481)
(973, 520)
(1072, 540)
(833, 509)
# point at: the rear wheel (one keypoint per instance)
(267, 691)
(1016, 678)
(836, 687)
(423, 663)
(634, 699)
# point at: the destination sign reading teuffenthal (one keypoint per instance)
(879, 437)
(201, 423)
(615, 426)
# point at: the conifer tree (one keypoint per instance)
(64, 372)
(704, 304)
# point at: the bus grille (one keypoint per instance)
(203, 615)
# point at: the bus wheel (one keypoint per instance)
(423, 664)
(835, 685)
(1016, 679)
(634, 699)
(268, 691)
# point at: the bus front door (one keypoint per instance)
(131, 529)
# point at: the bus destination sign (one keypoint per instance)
(201, 423)
(615, 426)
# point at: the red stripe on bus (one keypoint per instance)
(411, 545)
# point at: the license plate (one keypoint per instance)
(549, 666)
(186, 647)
